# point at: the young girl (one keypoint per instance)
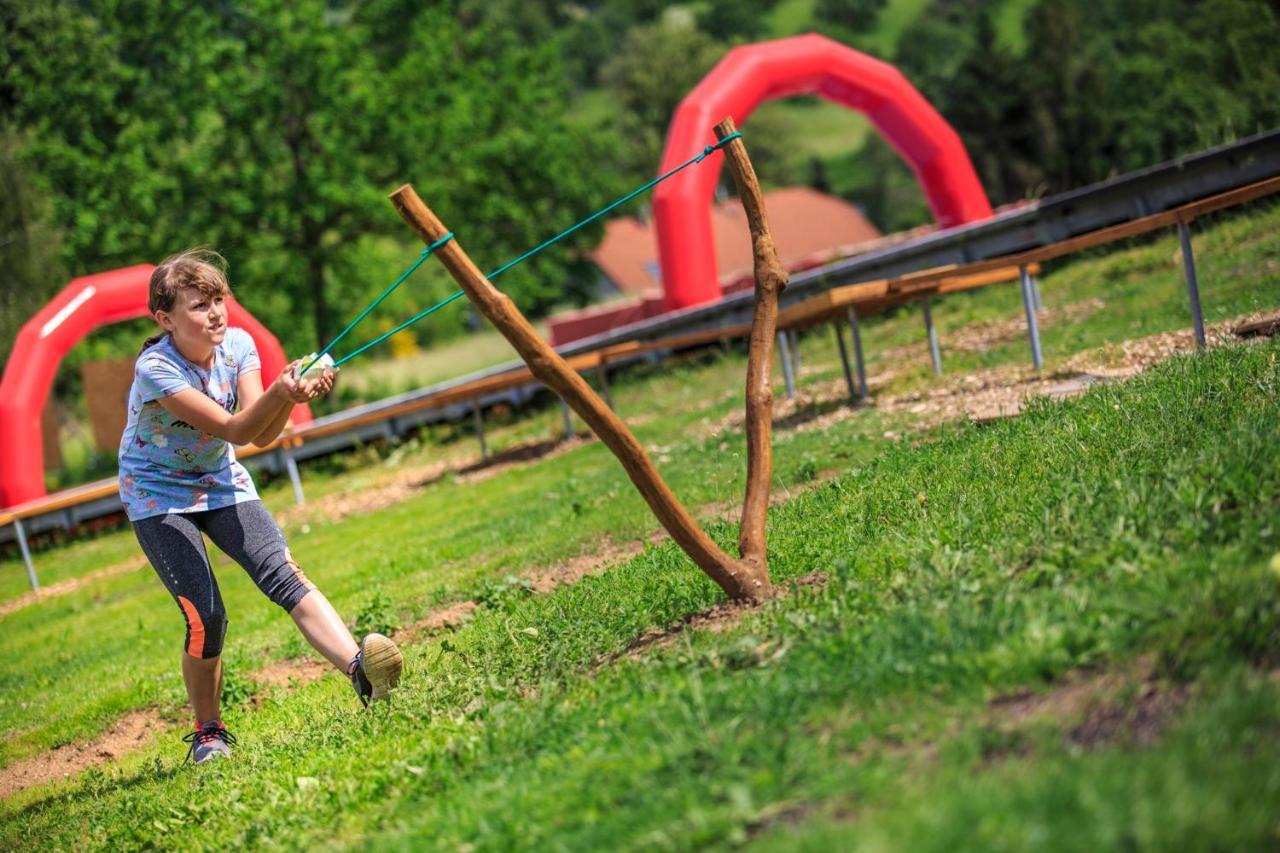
(179, 477)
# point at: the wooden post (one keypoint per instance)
(745, 578)
(771, 279)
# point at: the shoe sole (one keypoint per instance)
(383, 664)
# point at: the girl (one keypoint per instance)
(179, 477)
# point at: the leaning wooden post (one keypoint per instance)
(771, 279)
(739, 578)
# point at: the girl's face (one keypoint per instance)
(196, 319)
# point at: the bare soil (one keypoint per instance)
(716, 619)
(407, 482)
(438, 620)
(569, 572)
(1097, 708)
(126, 735)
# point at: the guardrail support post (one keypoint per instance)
(844, 363)
(602, 374)
(933, 336)
(784, 352)
(568, 419)
(26, 553)
(1035, 293)
(1033, 324)
(478, 416)
(863, 391)
(291, 465)
(1193, 287)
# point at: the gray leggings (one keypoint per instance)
(248, 534)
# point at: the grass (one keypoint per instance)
(376, 378)
(829, 130)
(965, 563)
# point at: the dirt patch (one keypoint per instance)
(1002, 392)
(986, 395)
(715, 619)
(1142, 719)
(400, 487)
(436, 621)
(126, 735)
(1096, 708)
(405, 483)
(989, 334)
(573, 570)
(70, 585)
(521, 455)
(288, 673)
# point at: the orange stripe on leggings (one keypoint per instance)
(195, 646)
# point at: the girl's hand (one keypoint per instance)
(324, 383)
(298, 391)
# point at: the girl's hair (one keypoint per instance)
(202, 269)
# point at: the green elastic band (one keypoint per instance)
(706, 152)
(422, 256)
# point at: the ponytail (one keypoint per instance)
(151, 341)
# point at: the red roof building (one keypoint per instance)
(808, 227)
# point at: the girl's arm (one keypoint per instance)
(253, 418)
(250, 389)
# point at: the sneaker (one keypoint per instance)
(209, 741)
(375, 670)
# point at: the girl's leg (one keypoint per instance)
(249, 534)
(324, 629)
(203, 677)
(175, 549)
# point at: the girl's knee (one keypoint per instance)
(286, 584)
(205, 630)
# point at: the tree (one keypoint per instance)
(273, 132)
(731, 19)
(652, 72)
(29, 246)
(846, 19)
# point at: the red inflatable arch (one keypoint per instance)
(82, 306)
(804, 65)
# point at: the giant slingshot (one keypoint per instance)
(743, 577)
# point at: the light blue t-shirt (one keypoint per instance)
(166, 464)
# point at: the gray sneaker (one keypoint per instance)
(375, 670)
(209, 741)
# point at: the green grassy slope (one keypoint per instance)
(1137, 521)
(1140, 519)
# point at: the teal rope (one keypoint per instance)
(706, 152)
(406, 324)
(422, 256)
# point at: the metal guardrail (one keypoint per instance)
(1050, 221)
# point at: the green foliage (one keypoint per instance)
(274, 132)
(650, 74)
(848, 18)
(29, 246)
(1098, 88)
(731, 19)
(503, 594)
(376, 615)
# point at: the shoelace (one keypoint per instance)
(212, 731)
(353, 671)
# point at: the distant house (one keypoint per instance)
(809, 228)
